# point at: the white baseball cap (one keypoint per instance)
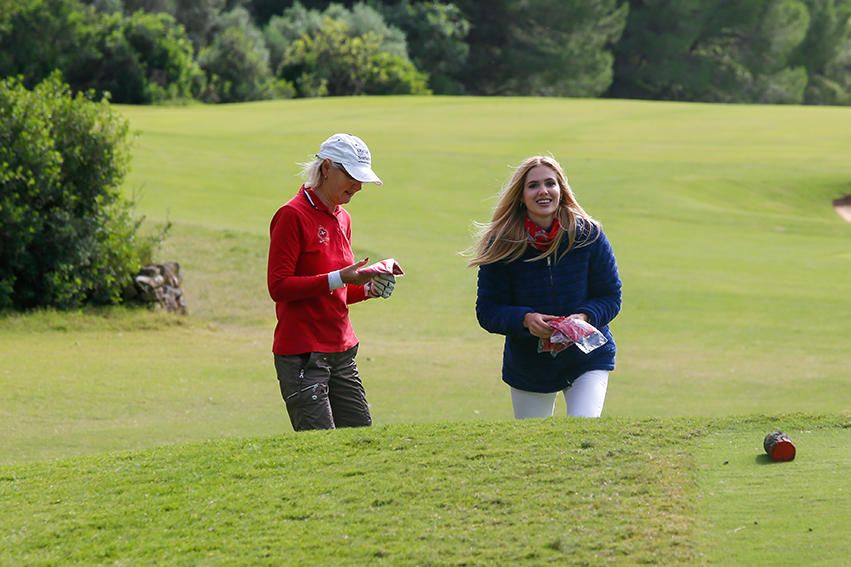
(351, 152)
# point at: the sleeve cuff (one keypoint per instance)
(335, 281)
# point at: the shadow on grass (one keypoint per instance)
(766, 460)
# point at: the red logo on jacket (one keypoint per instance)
(323, 235)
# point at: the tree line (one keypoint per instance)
(69, 238)
(150, 51)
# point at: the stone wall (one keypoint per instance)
(158, 285)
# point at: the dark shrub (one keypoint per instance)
(66, 234)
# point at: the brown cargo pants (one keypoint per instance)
(323, 390)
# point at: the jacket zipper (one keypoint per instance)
(550, 269)
(552, 285)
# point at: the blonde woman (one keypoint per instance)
(541, 257)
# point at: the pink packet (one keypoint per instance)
(567, 332)
(546, 345)
(388, 266)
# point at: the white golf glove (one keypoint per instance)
(381, 285)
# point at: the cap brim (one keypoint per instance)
(363, 173)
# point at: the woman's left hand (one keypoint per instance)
(381, 285)
(537, 324)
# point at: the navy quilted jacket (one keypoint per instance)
(586, 280)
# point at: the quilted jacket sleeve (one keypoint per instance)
(604, 285)
(494, 310)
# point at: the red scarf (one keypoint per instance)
(538, 237)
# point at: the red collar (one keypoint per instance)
(316, 202)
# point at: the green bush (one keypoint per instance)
(332, 62)
(38, 36)
(391, 74)
(165, 54)
(141, 59)
(66, 234)
(436, 34)
(237, 63)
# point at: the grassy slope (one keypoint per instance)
(720, 216)
(619, 491)
(731, 255)
(731, 258)
(756, 512)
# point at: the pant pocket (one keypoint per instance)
(290, 370)
(309, 407)
(310, 392)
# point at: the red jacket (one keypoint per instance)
(307, 242)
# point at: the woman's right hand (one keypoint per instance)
(350, 274)
(537, 324)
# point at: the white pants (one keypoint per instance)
(584, 398)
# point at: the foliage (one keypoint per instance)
(332, 61)
(131, 6)
(67, 234)
(24, 27)
(241, 19)
(826, 52)
(762, 51)
(141, 59)
(559, 48)
(826, 34)
(836, 87)
(757, 51)
(264, 10)
(284, 29)
(362, 19)
(389, 74)
(436, 33)
(237, 63)
(107, 6)
(199, 17)
(341, 52)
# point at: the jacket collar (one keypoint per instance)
(314, 201)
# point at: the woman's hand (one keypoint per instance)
(350, 274)
(537, 324)
(381, 285)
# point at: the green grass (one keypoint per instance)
(757, 512)
(732, 258)
(610, 491)
(734, 265)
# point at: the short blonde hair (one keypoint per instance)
(311, 173)
(504, 237)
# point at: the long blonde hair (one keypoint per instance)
(504, 238)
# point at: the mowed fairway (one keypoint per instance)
(619, 491)
(736, 275)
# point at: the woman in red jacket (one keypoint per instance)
(313, 277)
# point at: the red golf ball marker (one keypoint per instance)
(779, 447)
